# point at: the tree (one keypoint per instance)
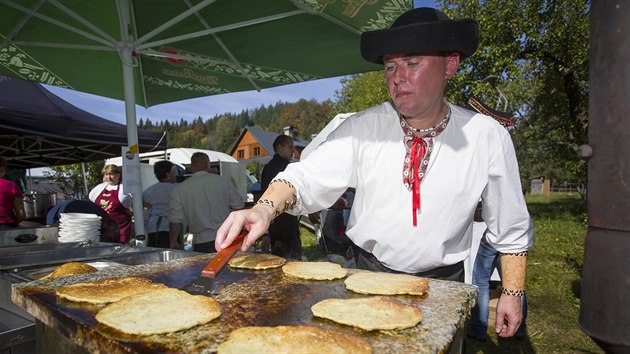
(70, 177)
(361, 91)
(227, 133)
(265, 117)
(308, 117)
(188, 138)
(243, 119)
(535, 52)
(199, 127)
(255, 168)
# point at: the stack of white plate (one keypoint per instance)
(78, 227)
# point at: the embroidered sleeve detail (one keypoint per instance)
(513, 292)
(270, 204)
(289, 204)
(281, 180)
(517, 254)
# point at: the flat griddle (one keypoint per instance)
(247, 298)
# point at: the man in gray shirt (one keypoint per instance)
(204, 200)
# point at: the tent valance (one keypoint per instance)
(37, 128)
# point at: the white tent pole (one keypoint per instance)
(132, 136)
(84, 179)
(29, 184)
(130, 110)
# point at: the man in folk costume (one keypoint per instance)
(419, 166)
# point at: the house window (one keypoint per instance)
(240, 154)
(257, 151)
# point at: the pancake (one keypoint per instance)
(315, 270)
(293, 339)
(369, 313)
(256, 261)
(159, 311)
(377, 283)
(107, 290)
(71, 268)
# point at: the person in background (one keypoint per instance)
(110, 196)
(156, 199)
(214, 169)
(11, 200)
(419, 165)
(204, 200)
(284, 232)
(349, 197)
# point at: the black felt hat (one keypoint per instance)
(421, 30)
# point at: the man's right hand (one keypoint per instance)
(509, 315)
(255, 220)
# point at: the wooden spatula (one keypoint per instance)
(219, 261)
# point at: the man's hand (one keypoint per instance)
(255, 220)
(509, 315)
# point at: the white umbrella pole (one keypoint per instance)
(132, 128)
(85, 185)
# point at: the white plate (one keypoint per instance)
(79, 216)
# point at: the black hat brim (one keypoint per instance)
(460, 36)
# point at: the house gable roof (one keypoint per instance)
(265, 138)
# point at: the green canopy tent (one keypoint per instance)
(149, 52)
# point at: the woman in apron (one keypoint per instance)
(109, 195)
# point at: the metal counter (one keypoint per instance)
(22, 264)
(21, 236)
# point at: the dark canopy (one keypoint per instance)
(37, 128)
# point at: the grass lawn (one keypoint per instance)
(553, 280)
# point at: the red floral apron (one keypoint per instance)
(108, 200)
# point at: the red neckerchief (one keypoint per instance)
(418, 152)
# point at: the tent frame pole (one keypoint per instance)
(85, 183)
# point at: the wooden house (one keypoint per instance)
(256, 145)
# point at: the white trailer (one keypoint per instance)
(227, 165)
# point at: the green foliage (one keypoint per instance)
(361, 91)
(187, 138)
(310, 247)
(227, 133)
(265, 116)
(70, 177)
(255, 168)
(534, 53)
(308, 117)
(199, 127)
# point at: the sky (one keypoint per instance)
(210, 106)
(205, 107)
